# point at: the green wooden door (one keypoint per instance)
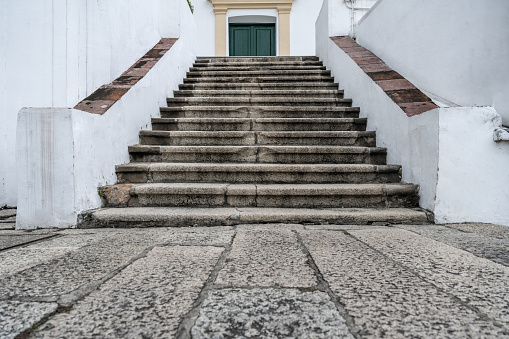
(252, 39)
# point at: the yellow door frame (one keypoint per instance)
(222, 6)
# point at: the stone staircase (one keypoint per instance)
(257, 140)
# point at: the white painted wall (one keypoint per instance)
(454, 49)
(302, 25)
(64, 154)
(205, 27)
(473, 169)
(55, 53)
(449, 152)
(343, 16)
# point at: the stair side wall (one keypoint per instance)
(97, 142)
(449, 151)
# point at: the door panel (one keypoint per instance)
(240, 40)
(252, 39)
(263, 40)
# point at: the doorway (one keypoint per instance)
(248, 39)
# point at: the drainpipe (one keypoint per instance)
(353, 22)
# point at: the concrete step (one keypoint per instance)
(260, 79)
(258, 101)
(203, 65)
(217, 138)
(257, 173)
(283, 86)
(262, 67)
(259, 124)
(261, 93)
(260, 154)
(185, 217)
(261, 195)
(262, 73)
(259, 112)
(250, 59)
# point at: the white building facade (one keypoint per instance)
(55, 53)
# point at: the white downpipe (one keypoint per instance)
(351, 4)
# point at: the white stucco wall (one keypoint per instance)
(205, 27)
(449, 152)
(473, 169)
(454, 49)
(55, 53)
(302, 25)
(64, 154)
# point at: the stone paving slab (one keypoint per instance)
(65, 274)
(8, 241)
(15, 316)
(342, 227)
(146, 300)
(7, 226)
(266, 258)
(19, 259)
(479, 282)
(7, 213)
(269, 313)
(386, 300)
(495, 249)
(269, 227)
(489, 230)
(200, 236)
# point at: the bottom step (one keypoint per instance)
(185, 217)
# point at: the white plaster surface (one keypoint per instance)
(454, 49)
(449, 152)
(55, 53)
(61, 152)
(473, 169)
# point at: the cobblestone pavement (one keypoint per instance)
(257, 281)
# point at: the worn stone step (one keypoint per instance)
(188, 138)
(258, 173)
(283, 86)
(260, 154)
(185, 217)
(262, 67)
(259, 112)
(203, 65)
(260, 79)
(259, 124)
(261, 195)
(251, 59)
(261, 73)
(258, 101)
(261, 93)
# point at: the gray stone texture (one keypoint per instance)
(386, 300)
(67, 273)
(479, 282)
(148, 299)
(7, 226)
(489, 230)
(269, 313)
(7, 213)
(266, 258)
(495, 249)
(8, 241)
(19, 259)
(16, 316)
